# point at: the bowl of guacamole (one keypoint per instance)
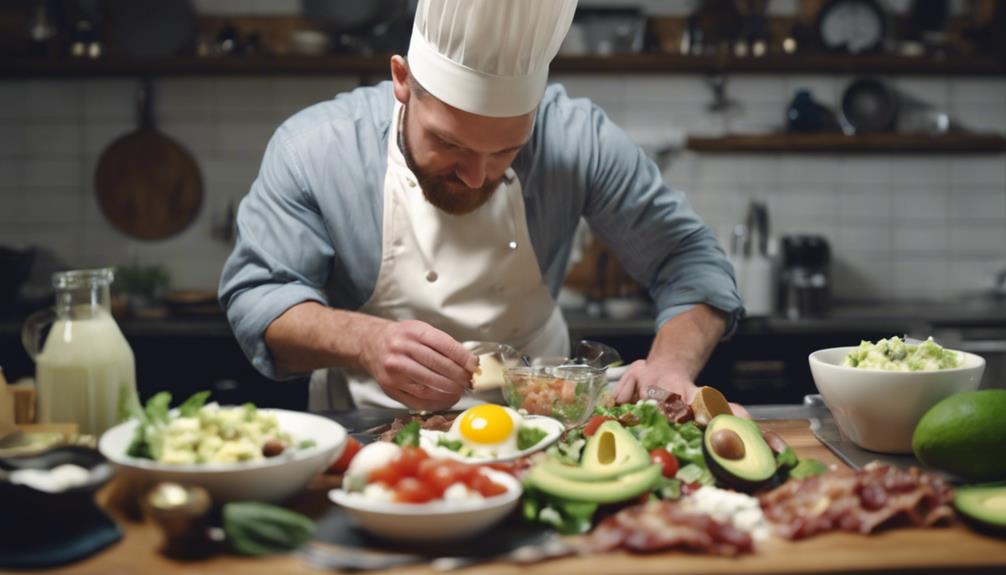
(878, 391)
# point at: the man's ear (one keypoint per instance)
(400, 79)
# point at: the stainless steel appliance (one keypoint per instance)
(805, 286)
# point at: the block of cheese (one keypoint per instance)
(488, 374)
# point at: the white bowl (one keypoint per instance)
(433, 521)
(272, 479)
(877, 409)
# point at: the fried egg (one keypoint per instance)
(488, 430)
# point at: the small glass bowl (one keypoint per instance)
(565, 392)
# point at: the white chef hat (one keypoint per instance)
(487, 57)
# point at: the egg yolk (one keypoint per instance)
(486, 424)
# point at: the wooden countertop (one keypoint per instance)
(955, 548)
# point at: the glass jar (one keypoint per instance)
(85, 369)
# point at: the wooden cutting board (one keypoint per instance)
(953, 549)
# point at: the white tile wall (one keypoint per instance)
(901, 226)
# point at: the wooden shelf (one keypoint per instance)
(616, 64)
(954, 143)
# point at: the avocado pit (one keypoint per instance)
(727, 444)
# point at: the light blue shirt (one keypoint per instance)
(310, 228)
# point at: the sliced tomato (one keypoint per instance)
(412, 490)
(593, 423)
(666, 459)
(348, 453)
(437, 475)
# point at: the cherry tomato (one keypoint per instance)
(408, 461)
(412, 490)
(666, 459)
(348, 453)
(437, 475)
(486, 486)
(593, 423)
(389, 475)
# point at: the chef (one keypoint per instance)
(390, 225)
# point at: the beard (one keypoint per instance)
(447, 192)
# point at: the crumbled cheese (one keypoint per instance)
(59, 478)
(740, 510)
(378, 492)
(458, 491)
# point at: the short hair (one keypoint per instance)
(414, 84)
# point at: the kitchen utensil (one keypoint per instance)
(85, 365)
(148, 185)
(868, 105)
(806, 276)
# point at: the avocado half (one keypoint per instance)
(755, 468)
(984, 505)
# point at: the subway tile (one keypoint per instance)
(184, 99)
(10, 174)
(921, 203)
(98, 136)
(592, 87)
(929, 91)
(976, 239)
(863, 171)
(246, 138)
(969, 205)
(864, 239)
(977, 90)
(864, 204)
(198, 137)
(921, 278)
(12, 100)
(110, 100)
(52, 141)
(12, 140)
(862, 276)
(808, 209)
(764, 89)
(50, 206)
(52, 100)
(754, 118)
(222, 171)
(668, 90)
(970, 275)
(982, 170)
(797, 169)
(912, 170)
(51, 173)
(244, 97)
(929, 238)
(980, 117)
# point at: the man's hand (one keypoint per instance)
(652, 381)
(680, 350)
(417, 364)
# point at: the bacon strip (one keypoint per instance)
(863, 501)
(662, 525)
(436, 422)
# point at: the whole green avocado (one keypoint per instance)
(965, 434)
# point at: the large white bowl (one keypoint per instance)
(272, 479)
(878, 410)
(434, 521)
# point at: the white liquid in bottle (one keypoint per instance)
(84, 368)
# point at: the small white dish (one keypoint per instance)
(553, 428)
(434, 521)
(271, 479)
(878, 410)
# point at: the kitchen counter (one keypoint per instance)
(947, 549)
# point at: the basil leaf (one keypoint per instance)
(408, 434)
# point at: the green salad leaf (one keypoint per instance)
(191, 406)
(261, 529)
(528, 437)
(807, 468)
(408, 434)
(787, 459)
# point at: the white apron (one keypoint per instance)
(475, 277)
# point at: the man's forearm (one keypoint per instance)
(311, 336)
(687, 340)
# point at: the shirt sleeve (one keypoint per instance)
(281, 256)
(653, 229)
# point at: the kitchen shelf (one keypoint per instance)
(336, 64)
(953, 143)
